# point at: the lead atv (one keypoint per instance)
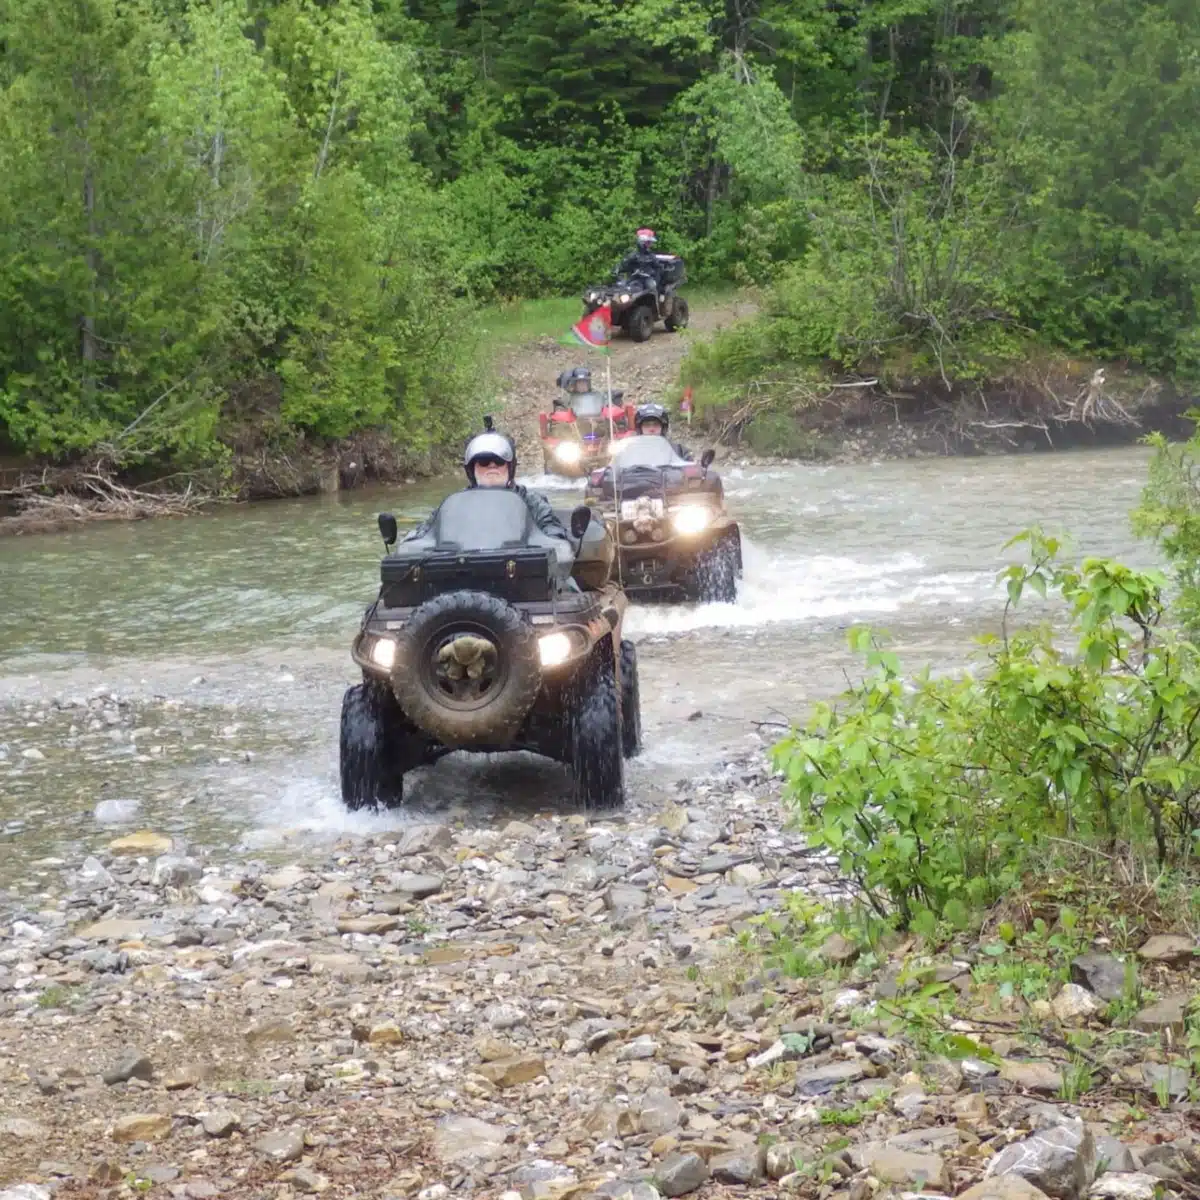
(675, 540)
(579, 434)
(635, 302)
(488, 635)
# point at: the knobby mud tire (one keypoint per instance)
(594, 714)
(493, 721)
(641, 323)
(717, 571)
(372, 748)
(679, 315)
(631, 702)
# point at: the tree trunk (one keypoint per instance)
(88, 347)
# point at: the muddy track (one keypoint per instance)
(644, 372)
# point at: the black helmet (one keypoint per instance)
(567, 378)
(651, 412)
(490, 444)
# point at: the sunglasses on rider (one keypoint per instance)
(490, 460)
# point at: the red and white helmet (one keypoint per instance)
(646, 238)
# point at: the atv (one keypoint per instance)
(675, 541)
(488, 635)
(577, 438)
(636, 304)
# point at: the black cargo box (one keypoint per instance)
(673, 269)
(517, 575)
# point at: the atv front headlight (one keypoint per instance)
(624, 297)
(568, 452)
(691, 518)
(554, 648)
(383, 653)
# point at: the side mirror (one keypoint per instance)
(581, 518)
(388, 529)
(706, 459)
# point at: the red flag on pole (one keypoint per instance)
(594, 330)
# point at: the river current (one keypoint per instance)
(186, 675)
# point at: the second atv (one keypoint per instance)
(579, 434)
(636, 304)
(675, 540)
(488, 635)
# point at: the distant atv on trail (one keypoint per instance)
(489, 635)
(635, 301)
(580, 432)
(675, 541)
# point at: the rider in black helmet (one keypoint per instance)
(643, 258)
(654, 419)
(490, 461)
(574, 382)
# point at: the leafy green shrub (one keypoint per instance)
(936, 794)
(1169, 513)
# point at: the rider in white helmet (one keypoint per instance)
(490, 461)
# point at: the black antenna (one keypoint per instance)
(489, 424)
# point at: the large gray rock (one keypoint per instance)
(282, 1146)
(1003, 1187)
(1169, 1014)
(659, 1112)
(424, 839)
(20, 1129)
(818, 1081)
(131, 1065)
(220, 1123)
(627, 1189)
(1103, 974)
(1074, 1004)
(1113, 1155)
(25, 1191)
(1032, 1076)
(739, 1167)
(623, 898)
(781, 1159)
(1125, 1185)
(1171, 948)
(680, 1174)
(1061, 1161)
(839, 950)
(173, 870)
(1176, 1080)
(894, 1164)
(417, 886)
(464, 1140)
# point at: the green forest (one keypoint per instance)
(255, 221)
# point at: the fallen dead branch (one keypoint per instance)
(49, 501)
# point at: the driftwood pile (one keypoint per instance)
(52, 500)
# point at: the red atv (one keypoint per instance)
(577, 435)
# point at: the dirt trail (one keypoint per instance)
(644, 372)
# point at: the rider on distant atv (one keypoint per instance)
(654, 419)
(575, 382)
(642, 258)
(490, 461)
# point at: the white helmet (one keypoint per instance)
(489, 445)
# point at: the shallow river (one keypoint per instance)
(227, 637)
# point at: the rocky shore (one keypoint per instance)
(549, 1010)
